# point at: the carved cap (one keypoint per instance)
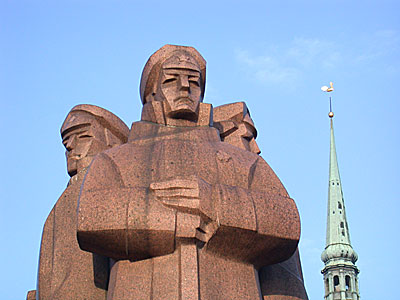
(153, 66)
(106, 118)
(236, 112)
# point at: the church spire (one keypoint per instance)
(337, 229)
(340, 271)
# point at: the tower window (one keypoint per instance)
(336, 280)
(339, 205)
(343, 232)
(341, 225)
(347, 279)
(327, 286)
(336, 283)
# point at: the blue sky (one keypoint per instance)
(275, 56)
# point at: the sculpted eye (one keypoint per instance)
(83, 136)
(195, 80)
(169, 80)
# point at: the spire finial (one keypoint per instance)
(328, 90)
(330, 108)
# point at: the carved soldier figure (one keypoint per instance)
(182, 214)
(235, 126)
(66, 271)
(278, 281)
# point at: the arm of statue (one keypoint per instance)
(258, 227)
(246, 224)
(191, 198)
(121, 222)
(283, 280)
(46, 258)
(260, 224)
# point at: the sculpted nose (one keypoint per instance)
(254, 147)
(184, 83)
(70, 143)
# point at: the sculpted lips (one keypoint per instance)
(183, 100)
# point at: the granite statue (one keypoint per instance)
(65, 271)
(278, 281)
(235, 126)
(183, 210)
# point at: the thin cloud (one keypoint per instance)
(287, 66)
(267, 68)
(314, 51)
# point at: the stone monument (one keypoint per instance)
(182, 214)
(235, 126)
(180, 207)
(65, 271)
(278, 281)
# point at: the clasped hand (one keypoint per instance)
(191, 197)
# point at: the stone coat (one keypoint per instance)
(65, 271)
(119, 216)
(283, 281)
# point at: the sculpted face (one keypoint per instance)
(83, 139)
(248, 133)
(180, 87)
(244, 136)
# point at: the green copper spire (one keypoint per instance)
(340, 271)
(337, 229)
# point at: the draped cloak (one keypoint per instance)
(120, 217)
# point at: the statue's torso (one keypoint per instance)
(180, 153)
(66, 271)
(159, 153)
(120, 216)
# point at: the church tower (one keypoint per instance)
(340, 272)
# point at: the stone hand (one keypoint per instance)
(191, 197)
(185, 195)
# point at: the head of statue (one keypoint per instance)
(236, 126)
(87, 131)
(175, 75)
